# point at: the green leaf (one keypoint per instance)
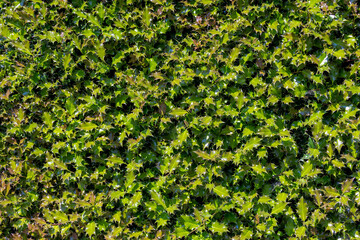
(340, 54)
(206, 2)
(135, 199)
(181, 232)
(203, 155)
(189, 222)
(60, 164)
(156, 196)
(70, 106)
(264, 199)
(60, 216)
(90, 228)
(93, 20)
(323, 59)
(347, 185)
(221, 191)
(259, 169)
(302, 209)
(300, 232)
(279, 207)
(217, 227)
(246, 234)
(101, 52)
(174, 163)
(152, 64)
(116, 195)
(115, 159)
(306, 169)
(178, 112)
(66, 61)
(331, 192)
(234, 53)
(252, 143)
(355, 68)
(147, 17)
(290, 226)
(130, 177)
(87, 126)
(48, 119)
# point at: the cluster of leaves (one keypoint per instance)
(169, 119)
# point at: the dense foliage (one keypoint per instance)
(169, 119)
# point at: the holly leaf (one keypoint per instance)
(346, 186)
(147, 16)
(189, 222)
(157, 198)
(252, 143)
(90, 229)
(306, 169)
(87, 126)
(60, 216)
(178, 112)
(221, 191)
(135, 199)
(152, 64)
(181, 232)
(115, 159)
(246, 234)
(302, 209)
(217, 227)
(278, 207)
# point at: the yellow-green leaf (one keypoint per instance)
(302, 209)
(278, 207)
(115, 159)
(178, 112)
(90, 229)
(135, 199)
(306, 169)
(346, 186)
(246, 234)
(87, 126)
(60, 216)
(217, 227)
(221, 191)
(147, 16)
(181, 232)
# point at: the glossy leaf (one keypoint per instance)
(279, 207)
(90, 228)
(221, 191)
(302, 209)
(219, 228)
(87, 126)
(178, 112)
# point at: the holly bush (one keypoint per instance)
(179, 119)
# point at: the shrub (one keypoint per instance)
(179, 119)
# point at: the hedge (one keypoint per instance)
(179, 119)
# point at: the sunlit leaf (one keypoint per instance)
(279, 207)
(90, 228)
(302, 209)
(217, 227)
(221, 191)
(87, 126)
(178, 112)
(347, 185)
